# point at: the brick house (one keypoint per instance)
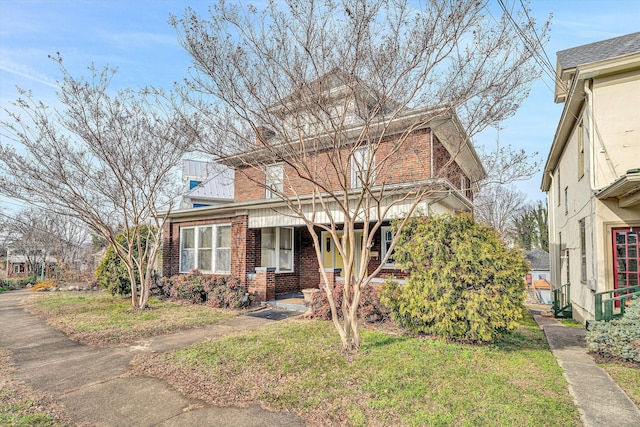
(261, 240)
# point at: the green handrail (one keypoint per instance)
(605, 309)
(562, 299)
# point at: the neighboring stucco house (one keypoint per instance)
(261, 242)
(592, 173)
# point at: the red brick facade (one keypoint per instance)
(410, 162)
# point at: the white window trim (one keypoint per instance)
(214, 248)
(366, 154)
(383, 247)
(270, 182)
(277, 249)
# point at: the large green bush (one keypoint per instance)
(464, 282)
(112, 274)
(619, 338)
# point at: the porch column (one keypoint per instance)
(265, 283)
(332, 274)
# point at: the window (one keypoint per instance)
(18, 268)
(361, 162)
(580, 150)
(197, 249)
(277, 248)
(223, 248)
(193, 183)
(583, 251)
(387, 236)
(274, 180)
(566, 200)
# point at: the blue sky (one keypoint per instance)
(134, 36)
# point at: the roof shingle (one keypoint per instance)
(598, 51)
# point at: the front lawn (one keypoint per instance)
(100, 319)
(394, 379)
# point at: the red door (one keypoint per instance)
(626, 257)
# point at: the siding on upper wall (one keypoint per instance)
(411, 162)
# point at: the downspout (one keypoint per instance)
(591, 279)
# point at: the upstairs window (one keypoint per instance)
(198, 251)
(362, 164)
(274, 180)
(583, 251)
(194, 183)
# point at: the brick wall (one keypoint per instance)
(411, 162)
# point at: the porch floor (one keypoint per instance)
(289, 301)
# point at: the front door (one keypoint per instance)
(626, 257)
(330, 255)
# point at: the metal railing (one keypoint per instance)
(562, 300)
(606, 307)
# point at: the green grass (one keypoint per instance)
(101, 319)
(571, 323)
(393, 380)
(628, 378)
(17, 411)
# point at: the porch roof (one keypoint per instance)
(277, 212)
(626, 189)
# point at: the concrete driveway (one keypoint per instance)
(93, 383)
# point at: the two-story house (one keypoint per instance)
(261, 240)
(592, 173)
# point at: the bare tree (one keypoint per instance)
(32, 234)
(105, 160)
(499, 205)
(325, 84)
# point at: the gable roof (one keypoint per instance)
(538, 258)
(598, 51)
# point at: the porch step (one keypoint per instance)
(290, 301)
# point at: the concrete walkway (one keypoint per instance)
(600, 400)
(93, 383)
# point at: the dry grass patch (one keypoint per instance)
(394, 380)
(99, 319)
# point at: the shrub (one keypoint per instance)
(619, 338)
(464, 282)
(19, 283)
(112, 274)
(192, 287)
(45, 285)
(227, 292)
(219, 292)
(371, 310)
